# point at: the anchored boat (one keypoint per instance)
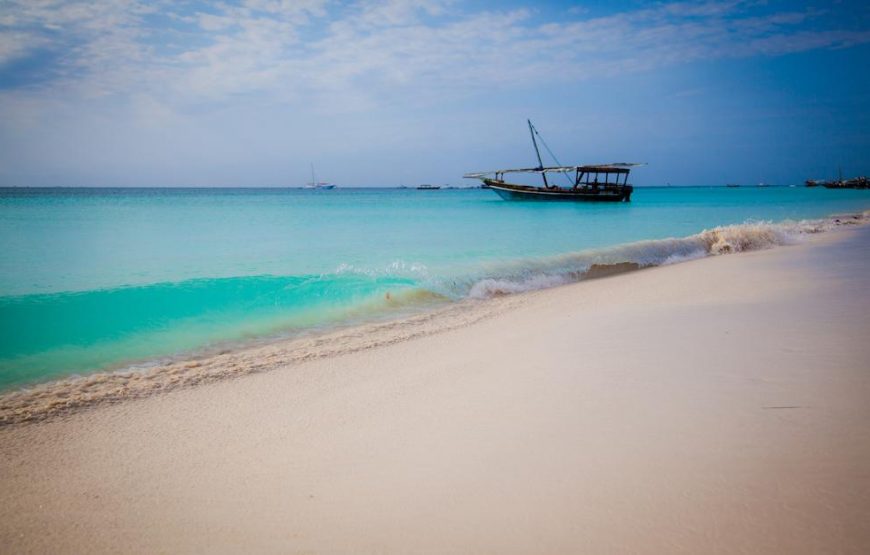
(314, 184)
(597, 183)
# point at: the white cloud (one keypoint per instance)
(17, 44)
(359, 55)
(398, 12)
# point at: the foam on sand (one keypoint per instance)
(528, 275)
(66, 395)
(716, 407)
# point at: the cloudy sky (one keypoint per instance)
(249, 93)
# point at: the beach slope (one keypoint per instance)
(716, 406)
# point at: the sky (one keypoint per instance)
(402, 92)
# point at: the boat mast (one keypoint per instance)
(313, 179)
(538, 152)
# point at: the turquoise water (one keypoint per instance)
(100, 278)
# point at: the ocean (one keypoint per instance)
(102, 279)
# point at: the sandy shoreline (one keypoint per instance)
(714, 406)
(408, 314)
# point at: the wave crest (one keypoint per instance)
(73, 393)
(529, 275)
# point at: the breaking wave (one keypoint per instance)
(51, 335)
(386, 309)
(529, 275)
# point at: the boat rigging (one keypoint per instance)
(596, 182)
(314, 184)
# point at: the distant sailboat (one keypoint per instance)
(314, 184)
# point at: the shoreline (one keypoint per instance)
(717, 406)
(67, 395)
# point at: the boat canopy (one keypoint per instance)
(615, 167)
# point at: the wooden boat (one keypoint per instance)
(860, 182)
(854, 183)
(594, 183)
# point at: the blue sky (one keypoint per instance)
(156, 93)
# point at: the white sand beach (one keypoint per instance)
(716, 406)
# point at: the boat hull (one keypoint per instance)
(509, 191)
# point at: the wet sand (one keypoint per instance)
(716, 406)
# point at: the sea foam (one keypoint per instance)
(529, 275)
(73, 393)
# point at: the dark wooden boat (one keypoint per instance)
(854, 183)
(860, 182)
(591, 183)
(588, 183)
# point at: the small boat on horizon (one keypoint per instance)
(427, 187)
(314, 184)
(589, 183)
(860, 182)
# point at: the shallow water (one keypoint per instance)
(101, 278)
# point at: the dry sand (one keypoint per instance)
(716, 406)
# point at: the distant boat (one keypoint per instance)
(427, 187)
(586, 181)
(314, 184)
(860, 182)
(732, 185)
(854, 183)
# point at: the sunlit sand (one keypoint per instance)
(715, 406)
